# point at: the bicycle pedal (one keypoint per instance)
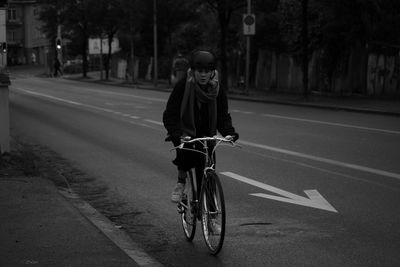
(181, 209)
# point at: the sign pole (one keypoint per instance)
(59, 51)
(4, 113)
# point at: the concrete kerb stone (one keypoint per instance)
(4, 114)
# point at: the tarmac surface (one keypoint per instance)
(354, 103)
(45, 224)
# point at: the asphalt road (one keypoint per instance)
(309, 187)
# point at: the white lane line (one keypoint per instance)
(148, 99)
(118, 237)
(320, 122)
(95, 108)
(154, 122)
(324, 160)
(154, 99)
(331, 123)
(68, 101)
(284, 151)
(51, 97)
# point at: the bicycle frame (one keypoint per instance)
(209, 158)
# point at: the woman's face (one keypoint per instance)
(202, 76)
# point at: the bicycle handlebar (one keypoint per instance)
(188, 140)
(202, 140)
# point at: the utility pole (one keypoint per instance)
(249, 29)
(155, 42)
(305, 47)
(248, 52)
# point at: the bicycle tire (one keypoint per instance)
(212, 206)
(188, 216)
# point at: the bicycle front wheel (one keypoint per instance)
(188, 216)
(213, 213)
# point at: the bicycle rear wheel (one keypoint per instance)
(188, 216)
(213, 213)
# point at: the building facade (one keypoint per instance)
(26, 42)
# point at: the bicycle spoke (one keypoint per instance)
(213, 214)
(188, 214)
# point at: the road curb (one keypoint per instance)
(117, 236)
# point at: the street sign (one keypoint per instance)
(249, 24)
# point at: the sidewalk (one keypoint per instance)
(42, 226)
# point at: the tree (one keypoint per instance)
(51, 16)
(106, 23)
(268, 20)
(224, 9)
(345, 27)
(130, 23)
(177, 14)
(387, 28)
(80, 23)
(78, 19)
(335, 28)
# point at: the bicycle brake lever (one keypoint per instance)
(186, 138)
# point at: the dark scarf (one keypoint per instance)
(194, 95)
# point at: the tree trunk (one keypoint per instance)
(84, 50)
(84, 59)
(132, 59)
(108, 60)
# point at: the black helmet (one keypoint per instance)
(203, 60)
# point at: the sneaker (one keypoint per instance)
(177, 193)
(215, 227)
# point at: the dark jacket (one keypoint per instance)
(172, 114)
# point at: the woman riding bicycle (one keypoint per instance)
(197, 107)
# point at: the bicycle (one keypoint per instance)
(208, 204)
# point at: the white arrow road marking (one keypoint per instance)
(314, 200)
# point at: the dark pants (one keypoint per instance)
(186, 160)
